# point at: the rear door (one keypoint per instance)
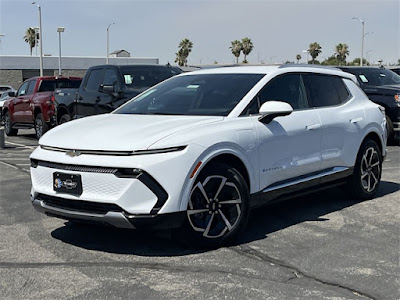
(341, 119)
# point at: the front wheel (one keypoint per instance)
(218, 208)
(367, 171)
(40, 126)
(8, 125)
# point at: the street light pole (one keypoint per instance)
(362, 40)
(59, 30)
(108, 51)
(40, 37)
(1, 35)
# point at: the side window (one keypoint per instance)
(110, 78)
(287, 88)
(23, 89)
(31, 87)
(94, 80)
(326, 90)
(341, 89)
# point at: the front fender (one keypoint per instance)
(212, 152)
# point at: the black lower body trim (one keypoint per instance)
(299, 189)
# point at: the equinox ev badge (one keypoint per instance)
(73, 153)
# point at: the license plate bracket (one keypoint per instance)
(67, 183)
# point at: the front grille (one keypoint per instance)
(77, 168)
(79, 205)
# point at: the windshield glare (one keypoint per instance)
(205, 94)
(378, 77)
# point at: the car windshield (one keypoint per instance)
(377, 77)
(144, 77)
(205, 94)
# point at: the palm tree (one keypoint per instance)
(342, 50)
(236, 47)
(247, 48)
(180, 59)
(314, 50)
(184, 49)
(298, 57)
(31, 37)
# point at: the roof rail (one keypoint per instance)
(309, 66)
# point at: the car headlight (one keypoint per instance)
(158, 151)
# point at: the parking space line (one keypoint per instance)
(20, 145)
(15, 158)
(9, 165)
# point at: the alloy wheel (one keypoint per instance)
(7, 122)
(370, 169)
(39, 127)
(215, 206)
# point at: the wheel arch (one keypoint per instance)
(37, 110)
(232, 161)
(227, 155)
(61, 110)
(375, 137)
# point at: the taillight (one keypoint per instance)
(53, 98)
(397, 99)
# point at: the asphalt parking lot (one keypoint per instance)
(323, 246)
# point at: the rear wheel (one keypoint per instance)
(367, 171)
(41, 126)
(8, 125)
(218, 208)
(64, 119)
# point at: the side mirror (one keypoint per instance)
(109, 89)
(272, 109)
(11, 94)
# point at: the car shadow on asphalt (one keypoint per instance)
(262, 222)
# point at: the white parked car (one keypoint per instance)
(196, 152)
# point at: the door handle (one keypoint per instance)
(356, 120)
(313, 127)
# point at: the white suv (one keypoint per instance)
(196, 152)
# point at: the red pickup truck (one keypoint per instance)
(32, 106)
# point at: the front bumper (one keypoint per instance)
(119, 219)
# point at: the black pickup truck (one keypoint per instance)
(382, 87)
(106, 87)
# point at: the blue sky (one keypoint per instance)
(279, 29)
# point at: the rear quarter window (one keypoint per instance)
(326, 90)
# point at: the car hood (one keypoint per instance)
(120, 132)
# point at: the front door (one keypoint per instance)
(290, 146)
(20, 102)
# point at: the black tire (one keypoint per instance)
(41, 126)
(64, 119)
(218, 220)
(367, 173)
(8, 125)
